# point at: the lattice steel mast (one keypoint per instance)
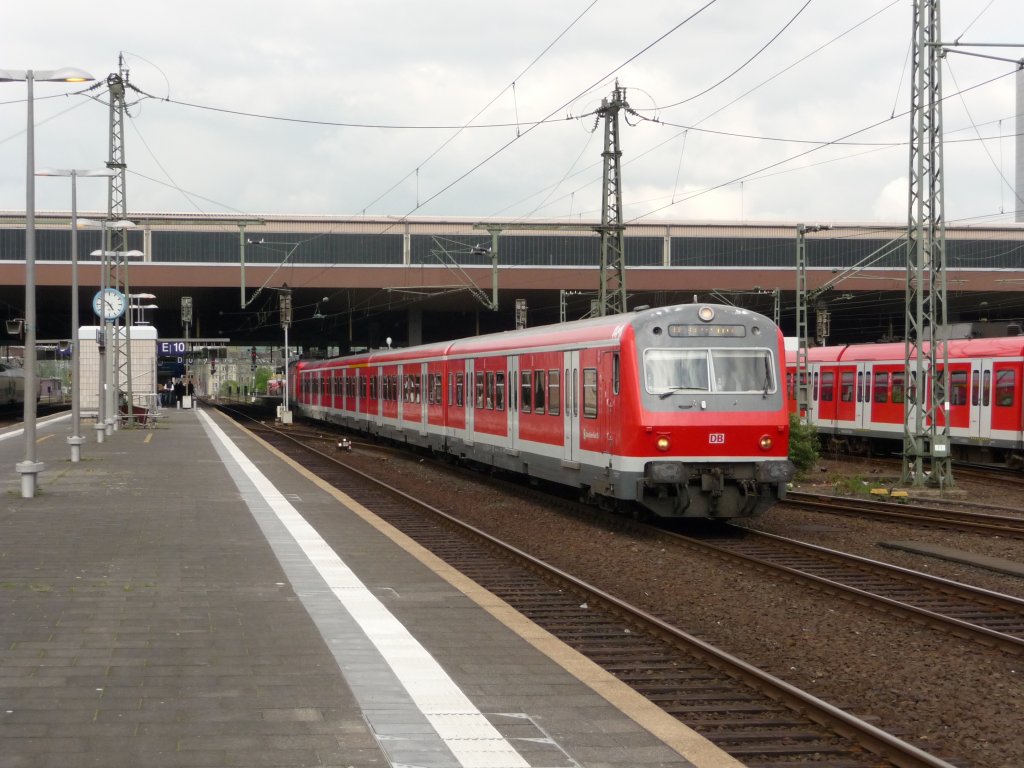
(926, 363)
(612, 290)
(117, 210)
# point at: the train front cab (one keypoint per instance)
(711, 401)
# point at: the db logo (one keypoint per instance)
(716, 438)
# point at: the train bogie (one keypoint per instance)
(677, 411)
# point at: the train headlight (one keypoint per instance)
(766, 442)
(663, 443)
(707, 314)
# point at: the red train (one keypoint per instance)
(676, 411)
(857, 394)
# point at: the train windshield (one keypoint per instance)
(668, 371)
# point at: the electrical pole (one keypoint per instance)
(926, 357)
(612, 290)
(284, 296)
(117, 210)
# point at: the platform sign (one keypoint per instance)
(171, 347)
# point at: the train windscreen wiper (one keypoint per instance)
(677, 390)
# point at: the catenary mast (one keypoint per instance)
(926, 364)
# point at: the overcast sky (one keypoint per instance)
(342, 108)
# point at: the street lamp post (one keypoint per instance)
(138, 308)
(285, 307)
(75, 439)
(30, 468)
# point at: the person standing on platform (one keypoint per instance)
(191, 394)
(169, 393)
(179, 391)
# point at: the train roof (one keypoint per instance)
(591, 330)
(957, 349)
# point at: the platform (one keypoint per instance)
(185, 596)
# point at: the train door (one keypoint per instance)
(846, 400)
(837, 395)
(512, 397)
(594, 389)
(470, 395)
(958, 399)
(864, 380)
(571, 412)
(402, 386)
(999, 395)
(608, 382)
(423, 395)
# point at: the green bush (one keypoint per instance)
(803, 445)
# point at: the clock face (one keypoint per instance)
(109, 303)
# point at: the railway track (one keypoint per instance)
(759, 719)
(935, 517)
(1002, 475)
(976, 614)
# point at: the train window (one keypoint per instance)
(975, 382)
(568, 393)
(828, 379)
(373, 387)
(499, 391)
(512, 390)
(615, 374)
(590, 393)
(459, 389)
(438, 389)
(479, 389)
(743, 370)
(451, 389)
(986, 388)
(898, 386)
(958, 388)
(539, 388)
(1006, 384)
(554, 392)
(676, 370)
(489, 395)
(881, 387)
(846, 386)
(525, 400)
(575, 392)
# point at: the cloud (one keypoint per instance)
(832, 71)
